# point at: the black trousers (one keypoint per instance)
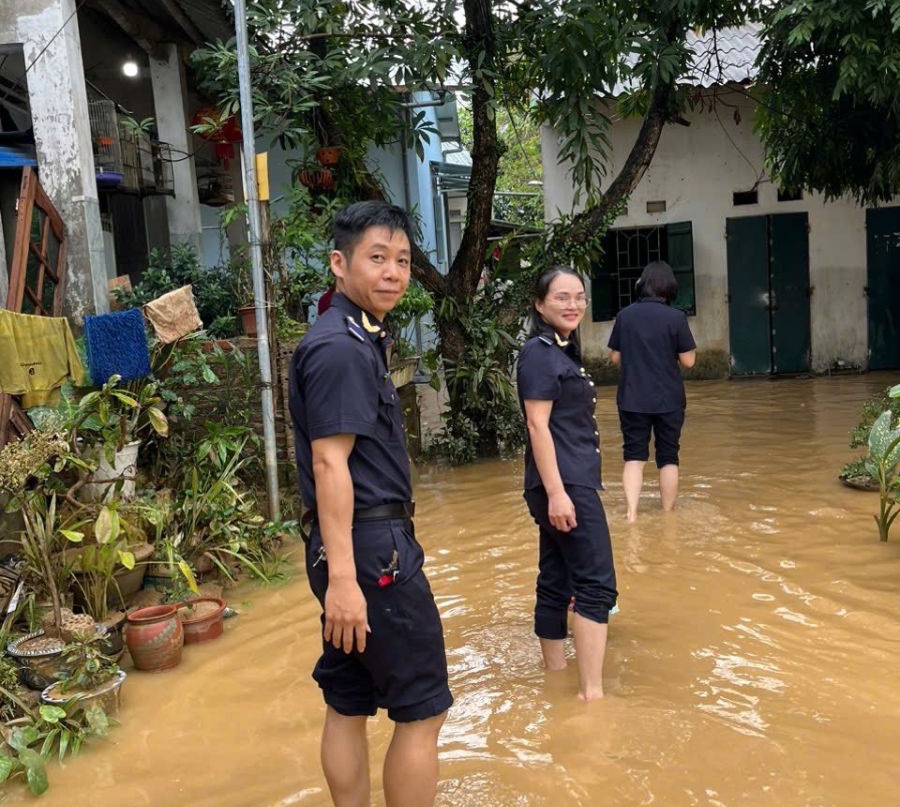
(572, 564)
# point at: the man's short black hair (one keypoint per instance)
(353, 220)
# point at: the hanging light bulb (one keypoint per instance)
(130, 68)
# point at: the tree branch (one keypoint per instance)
(479, 46)
(636, 165)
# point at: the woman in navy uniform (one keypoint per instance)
(382, 641)
(562, 477)
(649, 340)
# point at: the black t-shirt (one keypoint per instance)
(340, 384)
(547, 372)
(650, 334)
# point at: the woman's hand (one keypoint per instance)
(561, 512)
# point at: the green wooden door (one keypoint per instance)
(749, 329)
(768, 294)
(883, 290)
(789, 277)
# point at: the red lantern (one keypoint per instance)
(221, 131)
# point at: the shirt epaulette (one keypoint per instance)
(355, 329)
(546, 339)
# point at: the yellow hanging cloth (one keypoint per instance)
(37, 356)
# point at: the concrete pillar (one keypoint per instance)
(169, 96)
(62, 135)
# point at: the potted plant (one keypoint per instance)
(108, 568)
(202, 619)
(244, 294)
(112, 420)
(43, 541)
(329, 156)
(90, 677)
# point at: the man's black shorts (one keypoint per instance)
(404, 666)
(636, 428)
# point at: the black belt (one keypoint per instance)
(381, 512)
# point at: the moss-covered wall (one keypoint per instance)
(710, 364)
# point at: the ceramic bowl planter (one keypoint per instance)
(154, 637)
(105, 695)
(40, 658)
(202, 619)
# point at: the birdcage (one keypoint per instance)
(164, 181)
(137, 159)
(106, 144)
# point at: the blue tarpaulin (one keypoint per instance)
(16, 156)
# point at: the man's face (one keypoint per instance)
(376, 273)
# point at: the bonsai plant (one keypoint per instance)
(90, 677)
(112, 420)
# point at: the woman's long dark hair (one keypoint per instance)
(536, 324)
(657, 280)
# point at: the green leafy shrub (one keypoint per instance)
(213, 287)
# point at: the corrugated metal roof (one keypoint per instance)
(726, 56)
(722, 56)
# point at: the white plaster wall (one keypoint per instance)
(696, 169)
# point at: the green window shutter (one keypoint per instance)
(605, 282)
(680, 242)
(603, 293)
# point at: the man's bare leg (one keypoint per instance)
(345, 759)
(590, 651)
(411, 763)
(632, 482)
(668, 486)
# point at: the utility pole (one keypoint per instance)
(256, 257)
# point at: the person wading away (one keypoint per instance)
(562, 477)
(649, 340)
(382, 640)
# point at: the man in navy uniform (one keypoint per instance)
(383, 644)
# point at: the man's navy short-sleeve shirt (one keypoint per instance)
(650, 334)
(340, 384)
(546, 372)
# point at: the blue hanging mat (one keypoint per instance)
(116, 344)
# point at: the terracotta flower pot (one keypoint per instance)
(202, 619)
(155, 637)
(328, 155)
(247, 314)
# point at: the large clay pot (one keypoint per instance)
(155, 637)
(202, 619)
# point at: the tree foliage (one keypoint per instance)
(830, 118)
(338, 73)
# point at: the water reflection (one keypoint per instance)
(753, 661)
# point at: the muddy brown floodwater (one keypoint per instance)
(754, 661)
